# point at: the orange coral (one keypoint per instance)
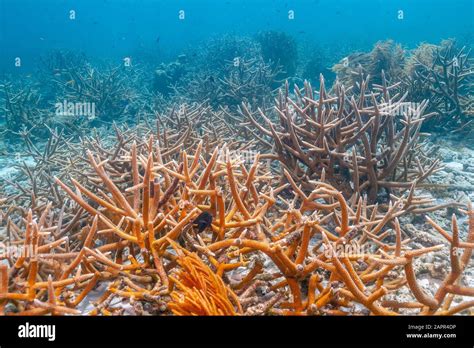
(199, 290)
(268, 249)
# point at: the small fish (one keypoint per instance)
(157, 40)
(203, 221)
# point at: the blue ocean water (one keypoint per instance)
(117, 28)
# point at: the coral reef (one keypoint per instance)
(71, 94)
(443, 75)
(22, 108)
(242, 80)
(208, 200)
(281, 49)
(167, 75)
(266, 251)
(108, 89)
(224, 72)
(227, 71)
(200, 291)
(370, 141)
(386, 57)
(217, 52)
(316, 60)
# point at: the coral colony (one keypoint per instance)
(220, 194)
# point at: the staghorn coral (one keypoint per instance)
(70, 96)
(356, 260)
(369, 141)
(440, 73)
(224, 71)
(423, 55)
(108, 89)
(443, 74)
(181, 127)
(386, 58)
(22, 109)
(278, 253)
(114, 213)
(214, 55)
(148, 206)
(166, 75)
(241, 79)
(58, 60)
(450, 286)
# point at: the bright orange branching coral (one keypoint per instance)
(272, 247)
(199, 290)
